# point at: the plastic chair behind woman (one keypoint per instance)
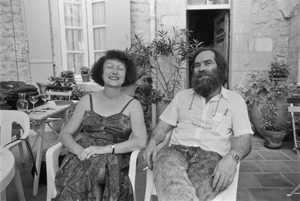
(52, 155)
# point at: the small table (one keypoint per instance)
(8, 171)
(38, 120)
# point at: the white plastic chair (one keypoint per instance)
(227, 195)
(7, 119)
(292, 109)
(10, 119)
(52, 155)
(52, 91)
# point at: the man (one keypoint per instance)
(200, 161)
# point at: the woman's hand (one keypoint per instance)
(82, 154)
(92, 151)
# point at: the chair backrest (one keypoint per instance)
(292, 109)
(41, 86)
(56, 91)
(7, 119)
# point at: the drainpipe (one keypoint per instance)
(52, 39)
(298, 79)
(26, 41)
(152, 18)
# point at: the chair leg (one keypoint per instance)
(48, 124)
(21, 152)
(294, 191)
(18, 184)
(20, 145)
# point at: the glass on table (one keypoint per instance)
(33, 100)
(45, 98)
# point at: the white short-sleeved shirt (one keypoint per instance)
(210, 125)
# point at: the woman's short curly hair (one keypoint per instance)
(121, 56)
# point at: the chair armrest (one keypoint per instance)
(166, 140)
(52, 155)
(230, 192)
(132, 169)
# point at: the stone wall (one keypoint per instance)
(262, 31)
(139, 14)
(294, 44)
(13, 48)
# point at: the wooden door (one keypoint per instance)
(221, 37)
(221, 33)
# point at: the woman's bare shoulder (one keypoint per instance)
(84, 101)
(134, 104)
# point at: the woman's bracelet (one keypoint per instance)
(113, 148)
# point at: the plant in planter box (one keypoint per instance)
(163, 52)
(146, 96)
(64, 82)
(66, 79)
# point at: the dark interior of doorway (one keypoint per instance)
(201, 23)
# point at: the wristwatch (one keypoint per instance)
(235, 157)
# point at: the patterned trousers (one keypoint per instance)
(185, 173)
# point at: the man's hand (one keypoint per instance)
(150, 153)
(224, 173)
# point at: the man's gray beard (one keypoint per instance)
(205, 86)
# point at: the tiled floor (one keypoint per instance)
(265, 175)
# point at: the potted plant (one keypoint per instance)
(147, 96)
(279, 70)
(85, 73)
(266, 100)
(273, 133)
(163, 52)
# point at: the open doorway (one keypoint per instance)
(210, 27)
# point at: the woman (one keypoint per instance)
(102, 153)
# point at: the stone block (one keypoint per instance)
(241, 24)
(240, 42)
(241, 7)
(251, 61)
(263, 44)
(241, 61)
(287, 7)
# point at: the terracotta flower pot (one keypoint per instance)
(273, 139)
(85, 77)
(281, 119)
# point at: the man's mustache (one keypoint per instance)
(204, 73)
